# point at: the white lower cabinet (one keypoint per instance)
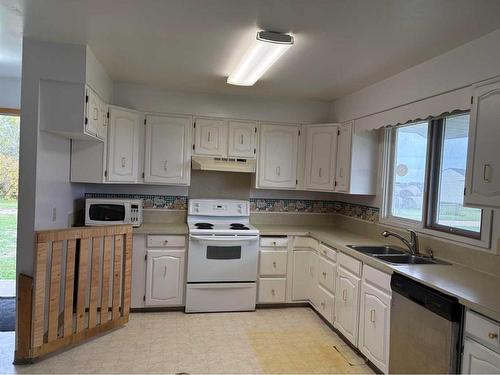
(164, 277)
(271, 290)
(347, 304)
(325, 303)
(374, 320)
(304, 275)
(158, 264)
(478, 359)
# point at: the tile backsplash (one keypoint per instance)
(173, 202)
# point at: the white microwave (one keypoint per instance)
(102, 211)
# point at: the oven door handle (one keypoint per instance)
(224, 239)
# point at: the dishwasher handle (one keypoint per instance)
(431, 299)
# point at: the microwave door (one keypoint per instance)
(107, 213)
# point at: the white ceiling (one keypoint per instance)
(192, 45)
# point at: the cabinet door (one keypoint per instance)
(164, 277)
(278, 153)
(327, 273)
(123, 146)
(374, 326)
(102, 128)
(242, 137)
(168, 151)
(321, 155)
(343, 169)
(210, 137)
(483, 164)
(302, 275)
(92, 109)
(477, 359)
(347, 305)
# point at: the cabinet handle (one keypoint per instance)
(324, 252)
(96, 114)
(165, 165)
(274, 264)
(323, 305)
(324, 275)
(241, 139)
(319, 172)
(311, 270)
(487, 172)
(165, 242)
(274, 243)
(278, 170)
(372, 316)
(124, 162)
(344, 295)
(273, 292)
(165, 272)
(492, 335)
(209, 136)
(341, 172)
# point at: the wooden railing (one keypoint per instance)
(80, 288)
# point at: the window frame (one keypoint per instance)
(426, 224)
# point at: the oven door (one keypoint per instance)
(222, 259)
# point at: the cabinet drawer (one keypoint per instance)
(327, 274)
(483, 330)
(325, 303)
(379, 279)
(307, 242)
(158, 240)
(328, 252)
(274, 241)
(273, 262)
(272, 290)
(350, 263)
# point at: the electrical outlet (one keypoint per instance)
(54, 214)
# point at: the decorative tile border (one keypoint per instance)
(174, 202)
(312, 206)
(170, 202)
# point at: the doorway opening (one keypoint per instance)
(9, 177)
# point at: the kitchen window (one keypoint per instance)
(425, 180)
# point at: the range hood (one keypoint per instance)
(223, 164)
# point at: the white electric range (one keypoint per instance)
(223, 256)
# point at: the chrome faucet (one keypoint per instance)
(412, 244)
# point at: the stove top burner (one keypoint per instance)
(203, 225)
(239, 228)
(237, 225)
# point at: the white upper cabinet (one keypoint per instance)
(210, 137)
(357, 160)
(321, 155)
(242, 139)
(92, 111)
(483, 162)
(344, 157)
(278, 155)
(123, 146)
(168, 150)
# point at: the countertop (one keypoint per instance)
(162, 228)
(476, 290)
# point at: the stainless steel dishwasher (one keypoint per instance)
(425, 329)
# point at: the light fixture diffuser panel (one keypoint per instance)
(266, 50)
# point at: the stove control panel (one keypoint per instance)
(218, 207)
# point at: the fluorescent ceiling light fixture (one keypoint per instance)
(267, 48)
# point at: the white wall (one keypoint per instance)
(473, 62)
(10, 92)
(468, 64)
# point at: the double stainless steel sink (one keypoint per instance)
(393, 255)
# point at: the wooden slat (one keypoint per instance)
(94, 281)
(82, 285)
(10, 111)
(24, 305)
(39, 292)
(116, 277)
(55, 289)
(65, 342)
(81, 232)
(69, 286)
(106, 270)
(127, 269)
